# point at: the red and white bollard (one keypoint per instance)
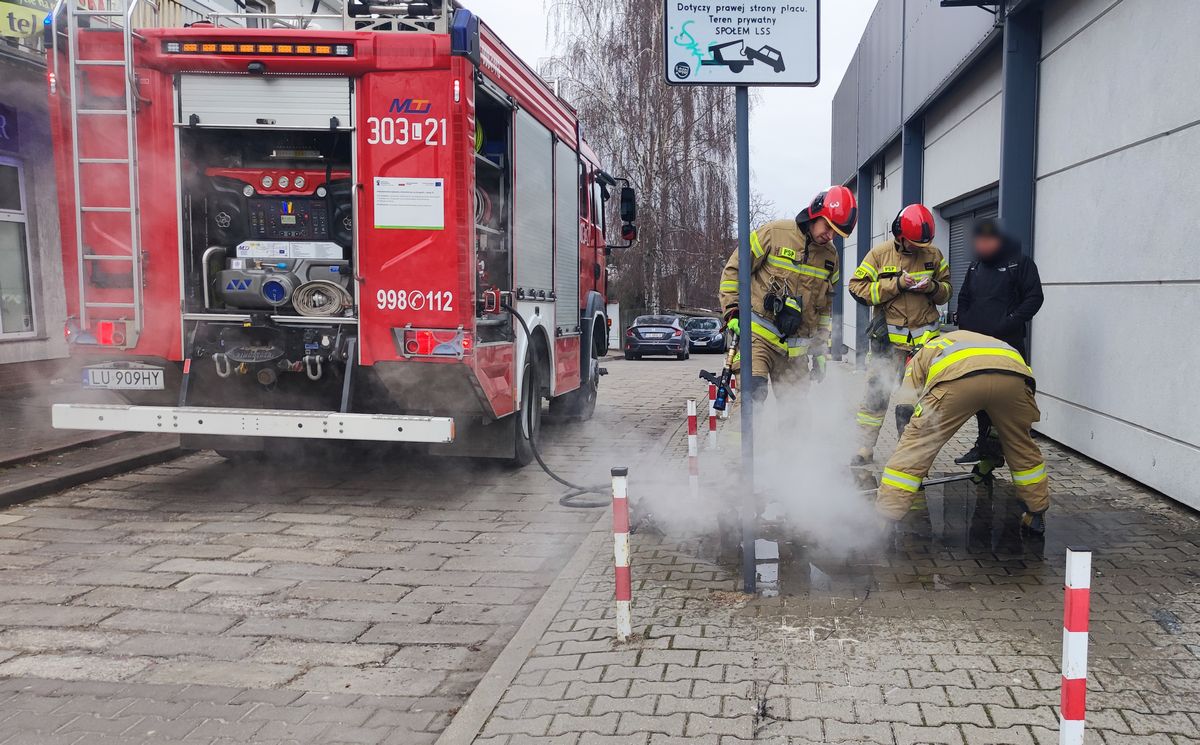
(693, 451)
(712, 417)
(620, 508)
(1075, 646)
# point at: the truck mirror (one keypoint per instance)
(629, 232)
(628, 205)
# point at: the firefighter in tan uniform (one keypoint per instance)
(904, 280)
(951, 378)
(793, 276)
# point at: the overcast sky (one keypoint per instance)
(789, 127)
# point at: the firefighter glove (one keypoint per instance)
(982, 472)
(904, 415)
(733, 325)
(818, 368)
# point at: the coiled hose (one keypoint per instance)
(571, 498)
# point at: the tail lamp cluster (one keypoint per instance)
(416, 342)
(102, 333)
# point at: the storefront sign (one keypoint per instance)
(22, 19)
(8, 129)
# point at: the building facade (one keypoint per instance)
(1074, 121)
(32, 304)
(32, 295)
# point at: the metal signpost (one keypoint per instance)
(743, 44)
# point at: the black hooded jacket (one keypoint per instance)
(1001, 295)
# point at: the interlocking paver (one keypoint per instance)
(950, 636)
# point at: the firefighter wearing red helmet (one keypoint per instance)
(904, 279)
(793, 276)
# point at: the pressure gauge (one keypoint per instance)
(321, 191)
(298, 182)
(267, 182)
(247, 190)
(283, 182)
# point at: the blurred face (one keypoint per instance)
(821, 232)
(987, 246)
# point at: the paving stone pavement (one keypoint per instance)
(948, 633)
(309, 599)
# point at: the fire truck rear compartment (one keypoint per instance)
(268, 221)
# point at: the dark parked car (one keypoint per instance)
(656, 335)
(704, 335)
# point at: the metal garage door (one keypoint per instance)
(962, 217)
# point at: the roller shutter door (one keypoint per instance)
(566, 237)
(264, 101)
(533, 201)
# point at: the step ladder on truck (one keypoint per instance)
(321, 226)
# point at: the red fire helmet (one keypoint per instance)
(839, 208)
(914, 223)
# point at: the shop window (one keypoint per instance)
(16, 300)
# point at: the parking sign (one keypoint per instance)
(742, 43)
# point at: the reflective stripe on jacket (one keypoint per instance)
(793, 346)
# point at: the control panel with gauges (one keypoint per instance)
(269, 233)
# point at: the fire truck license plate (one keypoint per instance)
(123, 378)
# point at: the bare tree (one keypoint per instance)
(674, 143)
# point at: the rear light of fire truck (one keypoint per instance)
(104, 333)
(435, 342)
(303, 50)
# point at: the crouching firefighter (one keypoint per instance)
(904, 280)
(793, 274)
(951, 378)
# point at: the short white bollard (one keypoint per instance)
(693, 451)
(624, 593)
(1073, 704)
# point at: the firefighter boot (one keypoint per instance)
(971, 456)
(863, 457)
(1034, 522)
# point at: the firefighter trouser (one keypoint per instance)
(884, 370)
(788, 374)
(1009, 402)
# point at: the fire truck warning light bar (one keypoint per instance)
(212, 47)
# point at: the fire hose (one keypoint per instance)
(570, 499)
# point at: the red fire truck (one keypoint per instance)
(276, 230)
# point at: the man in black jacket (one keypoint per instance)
(1000, 295)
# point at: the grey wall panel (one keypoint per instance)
(886, 199)
(1079, 242)
(978, 85)
(533, 202)
(566, 235)
(1128, 411)
(966, 159)
(1065, 18)
(939, 42)
(879, 78)
(1094, 101)
(845, 126)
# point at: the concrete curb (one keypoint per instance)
(35, 488)
(23, 458)
(474, 714)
